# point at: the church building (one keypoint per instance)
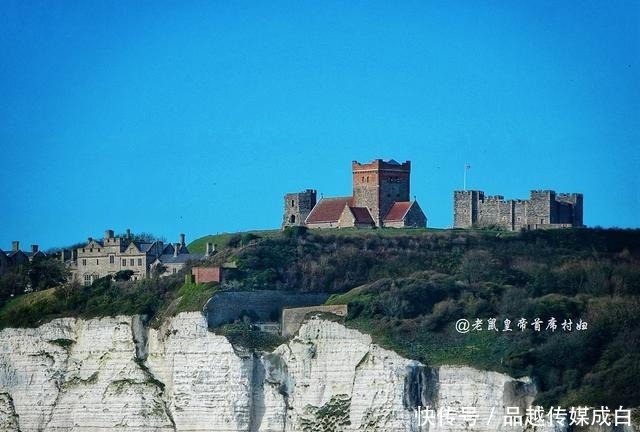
(380, 198)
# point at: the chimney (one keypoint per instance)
(34, 249)
(62, 253)
(128, 233)
(182, 239)
(209, 251)
(176, 249)
(108, 234)
(15, 245)
(90, 239)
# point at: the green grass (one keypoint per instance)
(484, 350)
(221, 240)
(193, 297)
(346, 298)
(28, 301)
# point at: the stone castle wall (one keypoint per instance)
(545, 209)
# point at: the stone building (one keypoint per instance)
(15, 257)
(298, 206)
(380, 198)
(174, 262)
(543, 210)
(99, 258)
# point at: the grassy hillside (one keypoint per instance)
(407, 288)
(222, 240)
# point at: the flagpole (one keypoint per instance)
(464, 181)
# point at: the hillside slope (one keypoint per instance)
(412, 286)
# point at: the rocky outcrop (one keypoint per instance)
(114, 373)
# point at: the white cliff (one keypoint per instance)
(113, 373)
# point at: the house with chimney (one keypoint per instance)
(111, 254)
(15, 258)
(175, 261)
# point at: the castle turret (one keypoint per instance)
(465, 208)
(297, 207)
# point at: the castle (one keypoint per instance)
(380, 198)
(99, 258)
(544, 210)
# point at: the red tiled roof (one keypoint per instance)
(328, 210)
(398, 211)
(362, 215)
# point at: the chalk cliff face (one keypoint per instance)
(113, 373)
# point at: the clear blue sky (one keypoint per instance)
(197, 117)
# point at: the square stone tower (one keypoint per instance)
(297, 207)
(377, 185)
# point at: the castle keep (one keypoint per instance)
(544, 210)
(380, 198)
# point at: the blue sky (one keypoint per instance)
(197, 117)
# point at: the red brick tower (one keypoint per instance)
(379, 184)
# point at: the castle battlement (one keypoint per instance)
(379, 164)
(544, 209)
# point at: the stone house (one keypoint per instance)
(380, 198)
(99, 258)
(180, 256)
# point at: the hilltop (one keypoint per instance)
(407, 288)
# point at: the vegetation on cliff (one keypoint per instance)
(407, 288)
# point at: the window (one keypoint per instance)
(98, 249)
(174, 270)
(139, 261)
(124, 262)
(87, 280)
(97, 262)
(112, 259)
(541, 221)
(91, 250)
(293, 203)
(131, 261)
(292, 219)
(82, 249)
(84, 262)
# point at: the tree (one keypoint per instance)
(47, 273)
(158, 270)
(474, 265)
(123, 275)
